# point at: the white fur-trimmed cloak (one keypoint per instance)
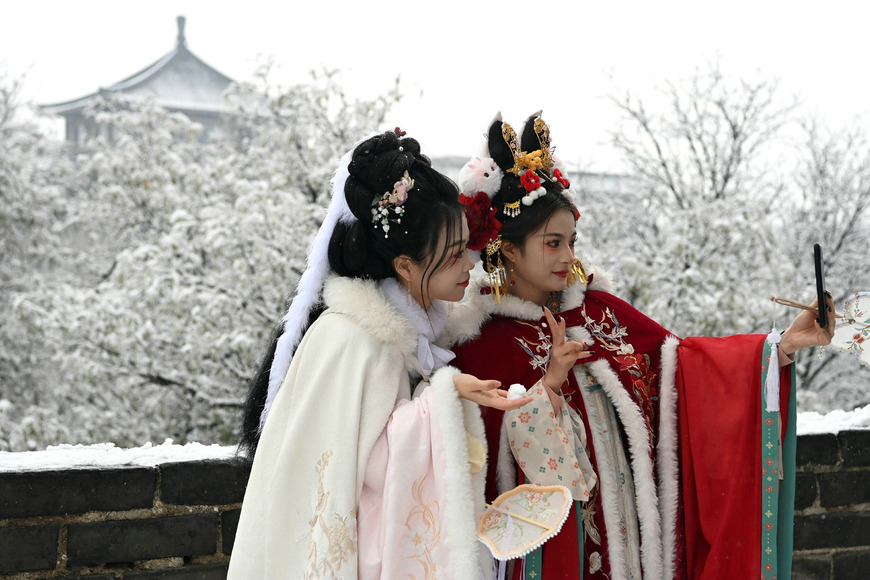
(321, 500)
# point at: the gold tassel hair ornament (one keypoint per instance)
(497, 274)
(577, 273)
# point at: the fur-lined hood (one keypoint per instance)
(467, 318)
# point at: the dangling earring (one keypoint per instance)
(497, 273)
(577, 273)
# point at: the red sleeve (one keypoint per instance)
(719, 386)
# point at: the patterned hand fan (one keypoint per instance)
(522, 519)
(852, 329)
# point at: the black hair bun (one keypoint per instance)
(376, 165)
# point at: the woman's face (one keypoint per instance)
(449, 281)
(541, 265)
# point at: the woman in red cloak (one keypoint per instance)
(679, 457)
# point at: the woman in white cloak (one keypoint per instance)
(369, 453)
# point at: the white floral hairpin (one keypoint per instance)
(392, 201)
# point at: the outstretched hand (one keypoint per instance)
(805, 331)
(563, 354)
(486, 393)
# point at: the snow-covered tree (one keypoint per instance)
(719, 220)
(33, 170)
(184, 253)
(697, 249)
(832, 206)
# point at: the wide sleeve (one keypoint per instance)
(737, 459)
(299, 515)
(423, 490)
(549, 444)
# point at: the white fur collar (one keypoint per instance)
(468, 318)
(365, 303)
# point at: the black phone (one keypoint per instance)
(820, 286)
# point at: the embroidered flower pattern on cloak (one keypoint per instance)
(612, 336)
(539, 352)
(340, 537)
(425, 534)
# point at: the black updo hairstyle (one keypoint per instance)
(518, 228)
(361, 250)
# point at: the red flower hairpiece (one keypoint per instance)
(562, 181)
(530, 180)
(576, 212)
(482, 225)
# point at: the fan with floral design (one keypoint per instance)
(522, 519)
(853, 326)
(854, 329)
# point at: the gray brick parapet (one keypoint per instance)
(178, 520)
(832, 507)
(174, 521)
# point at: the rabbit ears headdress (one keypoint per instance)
(510, 172)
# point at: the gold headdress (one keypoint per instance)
(528, 170)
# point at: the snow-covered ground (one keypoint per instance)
(107, 455)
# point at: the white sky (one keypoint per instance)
(460, 62)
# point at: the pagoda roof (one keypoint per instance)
(180, 80)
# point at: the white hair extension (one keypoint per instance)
(310, 283)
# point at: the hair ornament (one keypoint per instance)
(512, 209)
(532, 161)
(497, 273)
(510, 137)
(557, 173)
(530, 180)
(542, 131)
(480, 174)
(479, 181)
(392, 201)
(482, 224)
(532, 196)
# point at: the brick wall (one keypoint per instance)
(832, 507)
(173, 521)
(178, 520)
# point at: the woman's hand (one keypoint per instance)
(805, 331)
(486, 393)
(563, 355)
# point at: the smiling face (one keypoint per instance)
(541, 264)
(446, 280)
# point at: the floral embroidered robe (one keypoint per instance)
(628, 397)
(352, 477)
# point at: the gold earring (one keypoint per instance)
(577, 273)
(497, 274)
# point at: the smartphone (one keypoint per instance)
(820, 286)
